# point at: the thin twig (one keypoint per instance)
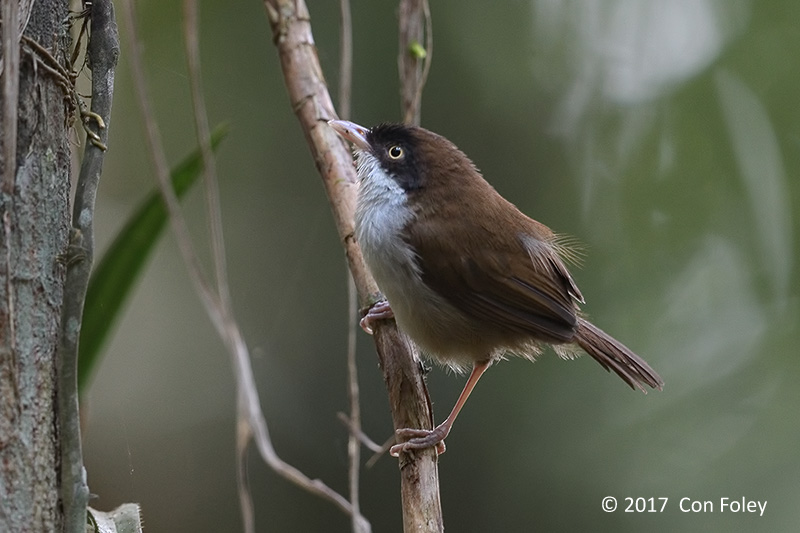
(213, 205)
(353, 442)
(362, 437)
(103, 52)
(345, 59)
(155, 148)
(251, 422)
(380, 451)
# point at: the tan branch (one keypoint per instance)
(414, 61)
(311, 102)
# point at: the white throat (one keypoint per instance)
(382, 213)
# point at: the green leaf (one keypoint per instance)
(117, 272)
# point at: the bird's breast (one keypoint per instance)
(382, 213)
(438, 328)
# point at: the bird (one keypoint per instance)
(465, 274)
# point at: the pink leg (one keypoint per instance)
(425, 438)
(379, 311)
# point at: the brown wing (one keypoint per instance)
(517, 283)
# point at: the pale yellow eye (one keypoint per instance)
(396, 152)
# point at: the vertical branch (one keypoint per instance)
(9, 65)
(159, 160)
(213, 207)
(354, 422)
(103, 52)
(345, 59)
(9, 68)
(311, 102)
(414, 60)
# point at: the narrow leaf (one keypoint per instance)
(117, 272)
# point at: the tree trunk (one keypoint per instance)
(34, 213)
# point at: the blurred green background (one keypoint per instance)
(663, 134)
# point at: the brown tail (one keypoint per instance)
(614, 355)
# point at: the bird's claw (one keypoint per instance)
(419, 439)
(379, 311)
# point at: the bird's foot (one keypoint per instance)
(379, 311)
(420, 439)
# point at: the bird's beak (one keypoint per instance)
(352, 132)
